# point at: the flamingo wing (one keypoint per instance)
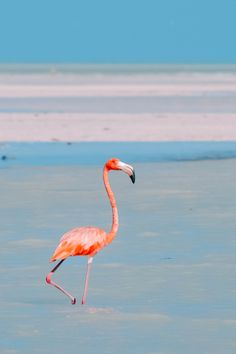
(82, 241)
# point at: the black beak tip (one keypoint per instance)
(132, 177)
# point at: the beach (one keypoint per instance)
(166, 283)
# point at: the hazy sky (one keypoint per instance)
(121, 31)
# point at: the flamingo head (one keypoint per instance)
(116, 164)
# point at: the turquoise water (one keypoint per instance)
(12, 154)
(165, 285)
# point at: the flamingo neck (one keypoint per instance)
(115, 219)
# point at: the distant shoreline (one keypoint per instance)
(106, 68)
(86, 103)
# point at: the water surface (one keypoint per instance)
(165, 285)
(87, 153)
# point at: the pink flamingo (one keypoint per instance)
(87, 241)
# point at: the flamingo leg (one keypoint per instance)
(89, 264)
(49, 281)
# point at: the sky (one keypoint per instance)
(117, 31)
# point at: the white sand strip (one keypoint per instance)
(117, 90)
(27, 127)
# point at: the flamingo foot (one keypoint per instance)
(73, 301)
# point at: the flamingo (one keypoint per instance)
(89, 240)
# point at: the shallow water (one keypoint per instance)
(165, 285)
(57, 153)
(219, 103)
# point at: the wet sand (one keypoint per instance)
(165, 285)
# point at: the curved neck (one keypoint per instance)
(115, 220)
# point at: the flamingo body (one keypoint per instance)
(81, 241)
(88, 240)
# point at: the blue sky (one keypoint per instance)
(121, 31)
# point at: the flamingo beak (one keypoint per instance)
(133, 177)
(127, 169)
